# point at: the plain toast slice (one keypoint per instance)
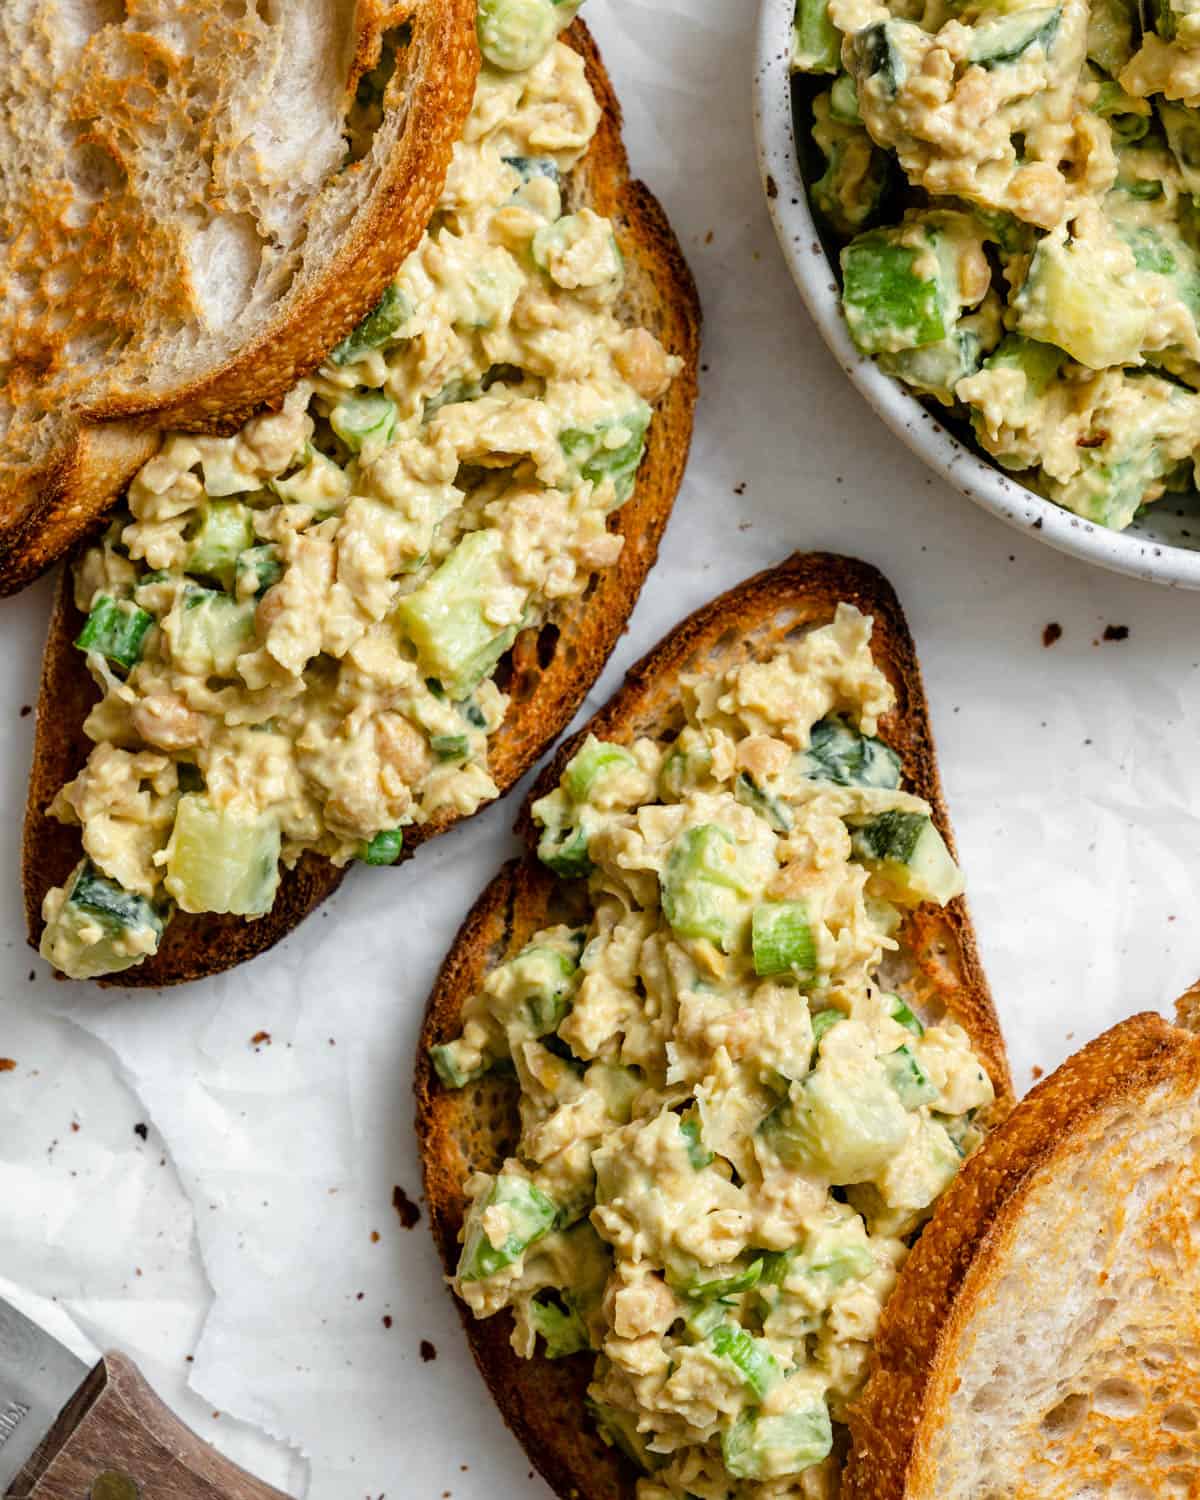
(199, 201)
(473, 1129)
(1044, 1337)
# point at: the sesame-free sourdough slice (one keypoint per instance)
(548, 670)
(199, 201)
(1043, 1341)
(474, 1128)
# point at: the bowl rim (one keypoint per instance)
(988, 486)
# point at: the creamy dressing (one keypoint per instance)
(730, 1127)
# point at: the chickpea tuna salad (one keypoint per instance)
(295, 629)
(1014, 185)
(731, 1125)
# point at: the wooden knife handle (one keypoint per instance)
(117, 1441)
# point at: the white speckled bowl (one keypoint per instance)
(1156, 547)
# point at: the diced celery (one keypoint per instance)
(445, 619)
(682, 770)
(723, 1286)
(514, 34)
(816, 41)
(221, 860)
(698, 1153)
(902, 1014)
(770, 1447)
(226, 530)
(823, 1021)
(751, 1357)
(379, 327)
(704, 887)
(446, 1062)
(257, 569)
(594, 760)
(449, 746)
(116, 629)
(843, 1134)
(781, 939)
(563, 848)
(208, 630)
(383, 848)
(542, 983)
(530, 1213)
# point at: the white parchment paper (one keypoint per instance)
(253, 1228)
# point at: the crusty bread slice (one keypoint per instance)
(1044, 1338)
(473, 1129)
(548, 671)
(195, 211)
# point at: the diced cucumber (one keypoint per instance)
(553, 1316)
(816, 41)
(839, 1133)
(130, 926)
(837, 752)
(1128, 118)
(909, 1078)
(362, 418)
(935, 369)
(700, 1318)
(829, 1255)
(379, 327)
(910, 853)
(318, 482)
(781, 940)
(611, 449)
(1072, 299)
(257, 569)
(1110, 33)
(618, 1086)
(1007, 38)
(1182, 126)
(895, 290)
(530, 167)
(220, 860)
(849, 194)
(446, 1059)
(876, 54)
(444, 618)
(770, 1447)
(705, 887)
(453, 393)
(698, 1153)
(225, 531)
(383, 848)
(208, 631)
(1039, 363)
(750, 1357)
(773, 810)
(115, 629)
(530, 1213)
(593, 762)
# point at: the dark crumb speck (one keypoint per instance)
(1116, 632)
(428, 1352)
(1037, 1072)
(7, 1064)
(141, 1130)
(1052, 632)
(261, 1039)
(740, 489)
(387, 1320)
(772, 187)
(410, 1214)
(32, 975)
(26, 710)
(374, 1236)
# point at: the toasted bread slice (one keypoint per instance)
(474, 1128)
(197, 210)
(1044, 1338)
(548, 671)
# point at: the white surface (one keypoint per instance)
(1160, 546)
(1069, 773)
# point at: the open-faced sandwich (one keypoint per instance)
(346, 626)
(698, 1068)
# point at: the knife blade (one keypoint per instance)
(38, 1377)
(73, 1432)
